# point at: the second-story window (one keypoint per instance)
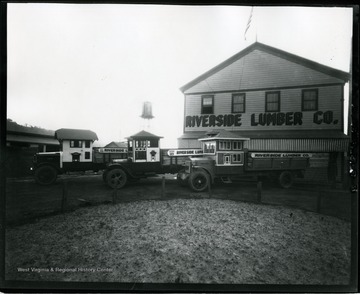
(237, 145)
(224, 145)
(207, 104)
(75, 144)
(209, 147)
(272, 101)
(309, 100)
(238, 103)
(87, 144)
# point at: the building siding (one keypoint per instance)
(329, 100)
(67, 151)
(297, 145)
(259, 69)
(283, 145)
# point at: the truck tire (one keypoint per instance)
(116, 178)
(45, 175)
(199, 181)
(286, 179)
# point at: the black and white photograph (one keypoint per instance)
(172, 147)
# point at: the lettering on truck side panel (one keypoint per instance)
(184, 152)
(280, 155)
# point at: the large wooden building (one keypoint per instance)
(281, 101)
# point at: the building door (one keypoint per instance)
(227, 159)
(140, 150)
(75, 156)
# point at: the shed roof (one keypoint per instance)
(31, 139)
(13, 127)
(274, 51)
(144, 135)
(75, 134)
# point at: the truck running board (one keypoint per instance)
(226, 180)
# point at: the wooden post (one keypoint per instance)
(64, 196)
(209, 190)
(259, 188)
(163, 186)
(114, 194)
(318, 202)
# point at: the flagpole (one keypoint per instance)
(248, 22)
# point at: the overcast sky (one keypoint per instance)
(92, 66)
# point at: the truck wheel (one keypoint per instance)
(45, 175)
(116, 178)
(286, 179)
(199, 181)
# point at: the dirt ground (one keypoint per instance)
(182, 241)
(151, 235)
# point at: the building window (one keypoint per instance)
(209, 147)
(87, 155)
(153, 143)
(130, 145)
(238, 103)
(224, 145)
(141, 144)
(87, 144)
(272, 102)
(237, 145)
(207, 104)
(309, 100)
(75, 144)
(238, 158)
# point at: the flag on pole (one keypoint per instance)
(249, 22)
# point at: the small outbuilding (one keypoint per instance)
(76, 144)
(111, 151)
(144, 147)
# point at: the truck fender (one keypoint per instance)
(59, 170)
(114, 166)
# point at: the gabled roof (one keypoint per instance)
(144, 135)
(114, 144)
(75, 134)
(222, 135)
(274, 51)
